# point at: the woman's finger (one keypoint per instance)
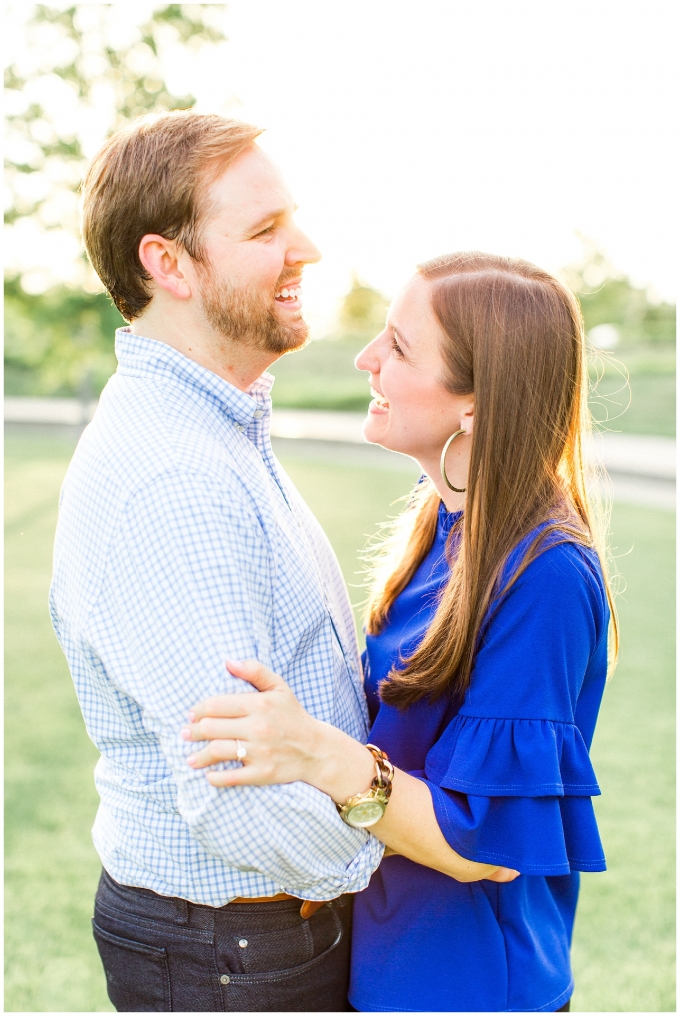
(233, 777)
(212, 727)
(232, 705)
(255, 673)
(504, 875)
(215, 751)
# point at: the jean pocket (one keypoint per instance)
(266, 951)
(298, 969)
(137, 974)
(319, 985)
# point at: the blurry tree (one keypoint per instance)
(608, 297)
(363, 311)
(84, 70)
(632, 367)
(59, 342)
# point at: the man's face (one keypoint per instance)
(253, 256)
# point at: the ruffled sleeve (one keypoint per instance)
(516, 793)
(510, 757)
(510, 775)
(534, 835)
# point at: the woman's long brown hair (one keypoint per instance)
(515, 339)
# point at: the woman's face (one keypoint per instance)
(412, 412)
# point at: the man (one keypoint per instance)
(182, 543)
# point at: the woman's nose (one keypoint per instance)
(368, 358)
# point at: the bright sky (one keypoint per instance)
(410, 129)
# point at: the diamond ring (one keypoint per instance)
(241, 750)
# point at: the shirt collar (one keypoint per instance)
(143, 357)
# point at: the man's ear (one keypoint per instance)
(161, 258)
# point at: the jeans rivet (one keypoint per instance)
(243, 942)
(224, 979)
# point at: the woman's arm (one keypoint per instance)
(284, 743)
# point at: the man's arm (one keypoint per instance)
(190, 585)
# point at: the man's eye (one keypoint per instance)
(396, 347)
(264, 232)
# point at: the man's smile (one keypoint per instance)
(290, 295)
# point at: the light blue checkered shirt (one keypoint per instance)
(181, 543)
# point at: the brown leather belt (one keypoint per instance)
(308, 908)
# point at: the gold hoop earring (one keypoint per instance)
(442, 463)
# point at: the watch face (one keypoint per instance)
(365, 814)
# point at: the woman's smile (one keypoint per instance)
(412, 410)
(379, 404)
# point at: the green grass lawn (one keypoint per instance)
(624, 941)
(643, 405)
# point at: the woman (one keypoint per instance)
(486, 660)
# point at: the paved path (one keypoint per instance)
(641, 468)
(626, 487)
(634, 454)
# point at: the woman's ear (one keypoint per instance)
(467, 418)
(161, 258)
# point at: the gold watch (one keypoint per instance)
(364, 810)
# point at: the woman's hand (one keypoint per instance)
(282, 742)
(271, 726)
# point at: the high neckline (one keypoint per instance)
(447, 519)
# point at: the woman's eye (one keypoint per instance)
(396, 347)
(264, 232)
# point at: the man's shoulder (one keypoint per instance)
(149, 458)
(144, 428)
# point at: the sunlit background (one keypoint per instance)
(406, 129)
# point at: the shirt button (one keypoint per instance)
(239, 427)
(243, 942)
(258, 414)
(224, 979)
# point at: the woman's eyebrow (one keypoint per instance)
(400, 336)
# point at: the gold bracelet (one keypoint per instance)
(363, 810)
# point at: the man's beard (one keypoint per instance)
(238, 314)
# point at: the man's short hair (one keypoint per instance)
(149, 177)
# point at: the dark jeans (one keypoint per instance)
(164, 954)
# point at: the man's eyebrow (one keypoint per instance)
(275, 214)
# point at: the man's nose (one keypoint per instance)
(302, 250)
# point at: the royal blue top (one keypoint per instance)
(511, 783)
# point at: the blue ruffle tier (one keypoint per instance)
(516, 792)
(507, 758)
